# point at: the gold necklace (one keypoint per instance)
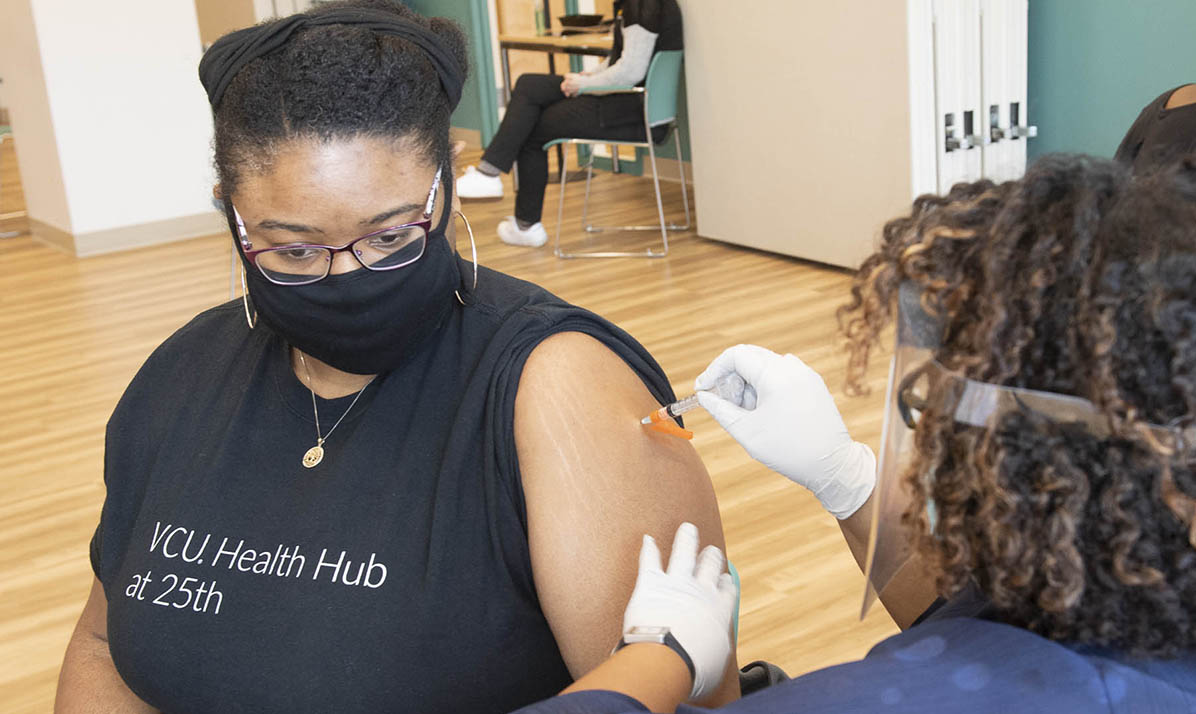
(313, 456)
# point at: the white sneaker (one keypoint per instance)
(510, 232)
(475, 184)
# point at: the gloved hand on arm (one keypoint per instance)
(694, 600)
(788, 422)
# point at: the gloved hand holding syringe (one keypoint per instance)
(730, 387)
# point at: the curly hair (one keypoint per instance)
(1078, 279)
(337, 81)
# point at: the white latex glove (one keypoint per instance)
(694, 598)
(793, 427)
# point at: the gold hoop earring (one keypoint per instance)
(474, 246)
(245, 301)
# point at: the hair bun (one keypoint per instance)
(233, 52)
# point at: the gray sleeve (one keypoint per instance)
(632, 66)
(600, 68)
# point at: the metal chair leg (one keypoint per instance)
(560, 216)
(662, 225)
(585, 204)
(664, 229)
(655, 226)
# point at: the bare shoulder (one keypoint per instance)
(595, 482)
(1181, 97)
(578, 398)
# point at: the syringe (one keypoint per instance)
(730, 387)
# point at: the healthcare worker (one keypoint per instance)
(1037, 468)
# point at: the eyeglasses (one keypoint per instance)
(979, 403)
(306, 263)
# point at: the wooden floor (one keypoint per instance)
(74, 331)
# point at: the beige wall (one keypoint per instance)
(515, 18)
(29, 111)
(113, 145)
(219, 17)
(799, 123)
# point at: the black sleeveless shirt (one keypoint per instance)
(395, 576)
(663, 19)
(660, 17)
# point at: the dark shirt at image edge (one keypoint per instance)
(393, 577)
(956, 661)
(663, 19)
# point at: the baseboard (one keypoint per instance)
(127, 237)
(51, 236)
(13, 224)
(471, 137)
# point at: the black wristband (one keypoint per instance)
(670, 642)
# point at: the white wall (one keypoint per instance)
(132, 122)
(29, 112)
(264, 9)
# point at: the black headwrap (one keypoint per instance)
(232, 52)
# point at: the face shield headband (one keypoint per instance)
(917, 380)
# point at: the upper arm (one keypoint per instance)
(595, 481)
(1182, 97)
(94, 619)
(88, 644)
(89, 681)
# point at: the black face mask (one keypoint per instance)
(364, 321)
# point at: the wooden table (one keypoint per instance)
(594, 44)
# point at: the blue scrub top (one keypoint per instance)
(953, 661)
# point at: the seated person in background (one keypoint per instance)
(544, 107)
(1163, 132)
(368, 487)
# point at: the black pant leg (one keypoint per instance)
(531, 95)
(570, 118)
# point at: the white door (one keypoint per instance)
(995, 59)
(1020, 128)
(957, 91)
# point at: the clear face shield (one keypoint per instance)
(918, 336)
(917, 380)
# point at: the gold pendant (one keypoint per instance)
(313, 456)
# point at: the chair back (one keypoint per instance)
(662, 85)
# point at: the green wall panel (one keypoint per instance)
(478, 109)
(1093, 65)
